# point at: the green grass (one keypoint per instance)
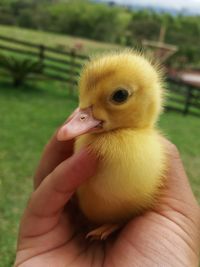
(29, 116)
(184, 132)
(54, 40)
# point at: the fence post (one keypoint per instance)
(41, 52)
(72, 60)
(187, 102)
(42, 56)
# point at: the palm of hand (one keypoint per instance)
(166, 236)
(140, 243)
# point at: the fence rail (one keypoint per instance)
(183, 97)
(65, 66)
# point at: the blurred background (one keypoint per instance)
(43, 46)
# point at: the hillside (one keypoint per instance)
(59, 41)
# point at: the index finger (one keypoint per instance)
(54, 153)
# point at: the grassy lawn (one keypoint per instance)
(54, 40)
(29, 116)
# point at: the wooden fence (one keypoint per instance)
(65, 66)
(58, 65)
(183, 97)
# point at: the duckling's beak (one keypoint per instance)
(80, 122)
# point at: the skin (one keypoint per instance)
(169, 235)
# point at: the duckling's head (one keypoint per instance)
(121, 90)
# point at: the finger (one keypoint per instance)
(177, 183)
(48, 201)
(177, 194)
(54, 153)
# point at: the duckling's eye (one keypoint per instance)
(120, 96)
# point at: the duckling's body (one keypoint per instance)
(130, 172)
(120, 99)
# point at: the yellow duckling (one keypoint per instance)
(120, 101)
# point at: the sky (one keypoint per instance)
(176, 4)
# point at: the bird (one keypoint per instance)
(121, 96)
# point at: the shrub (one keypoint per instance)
(19, 69)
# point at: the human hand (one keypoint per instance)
(166, 236)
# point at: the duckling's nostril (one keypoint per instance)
(83, 117)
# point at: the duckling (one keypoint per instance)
(120, 99)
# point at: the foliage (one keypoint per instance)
(19, 69)
(106, 23)
(80, 18)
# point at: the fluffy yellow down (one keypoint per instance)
(132, 160)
